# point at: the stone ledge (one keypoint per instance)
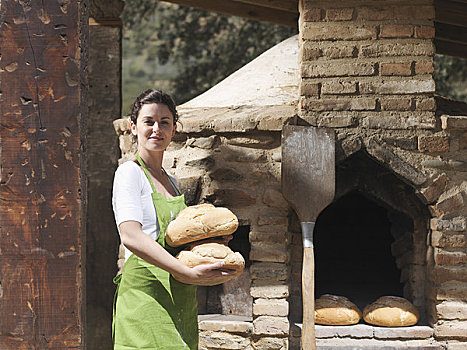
(360, 331)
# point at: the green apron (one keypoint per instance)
(151, 309)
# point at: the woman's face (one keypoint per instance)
(154, 127)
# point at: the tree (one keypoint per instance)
(198, 48)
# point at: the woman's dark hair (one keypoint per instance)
(153, 96)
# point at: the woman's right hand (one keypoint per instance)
(205, 274)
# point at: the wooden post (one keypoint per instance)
(43, 109)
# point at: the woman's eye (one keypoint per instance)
(148, 122)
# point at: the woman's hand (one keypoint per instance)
(205, 274)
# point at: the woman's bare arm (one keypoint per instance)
(148, 249)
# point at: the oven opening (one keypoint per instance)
(353, 254)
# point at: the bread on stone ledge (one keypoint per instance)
(200, 222)
(333, 310)
(389, 311)
(209, 253)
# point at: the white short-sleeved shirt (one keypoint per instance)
(132, 200)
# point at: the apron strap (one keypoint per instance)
(140, 161)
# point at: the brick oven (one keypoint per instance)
(397, 225)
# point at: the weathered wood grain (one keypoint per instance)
(42, 192)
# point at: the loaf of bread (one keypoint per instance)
(209, 253)
(333, 310)
(389, 311)
(200, 222)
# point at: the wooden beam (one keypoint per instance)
(42, 182)
(451, 12)
(234, 8)
(284, 5)
(452, 33)
(450, 48)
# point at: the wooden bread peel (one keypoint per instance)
(308, 181)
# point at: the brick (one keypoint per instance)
(225, 326)
(395, 104)
(351, 145)
(414, 332)
(396, 31)
(411, 86)
(433, 144)
(437, 187)
(309, 89)
(337, 31)
(425, 104)
(378, 13)
(341, 69)
(121, 126)
(336, 121)
(271, 325)
(363, 104)
(448, 240)
(341, 14)
(269, 290)
(453, 122)
(267, 252)
(443, 257)
(268, 271)
(222, 340)
(403, 68)
(425, 32)
(311, 15)
(403, 120)
(270, 343)
(450, 204)
(454, 345)
(400, 167)
(270, 307)
(339, 87)
(326, 104)
(457, 224)
(452, 291)
(271, 220)
(408, 143)
(387, 48)
(341, 51)
(441, 274)
(453, 329)
(424, 67)
(276, 236)
(275, 199)
(354, 331)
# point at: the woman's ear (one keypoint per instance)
(133, 128)
(174, 130)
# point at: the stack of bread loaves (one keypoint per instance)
(196, 223)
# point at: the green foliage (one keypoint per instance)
(451, 77)
(189, 50)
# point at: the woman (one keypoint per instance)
(151, 309)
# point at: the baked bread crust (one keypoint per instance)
(209, 253)
(199, 222)
(333, 310)
(390, 311)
